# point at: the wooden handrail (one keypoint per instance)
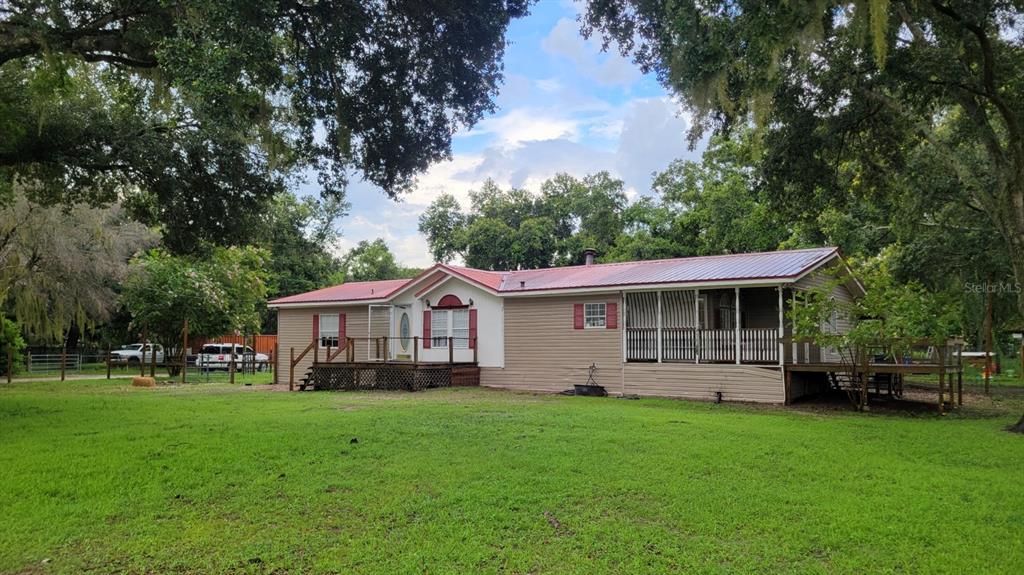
(309, 347)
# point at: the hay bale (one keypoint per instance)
(143, 382)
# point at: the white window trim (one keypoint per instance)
(603, 315)
(335, 333)
(439, 337)
(463, 340)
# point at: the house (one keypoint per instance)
(700, 327)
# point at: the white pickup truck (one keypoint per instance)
(137, 352)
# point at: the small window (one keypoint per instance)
(460, 328)
(593, 315)
(439, 328)
(328, 330)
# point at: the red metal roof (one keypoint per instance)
(486, 278)
(734, 267)
(350, 291)
(781, 265)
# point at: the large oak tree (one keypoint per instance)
(197, 111)
(841, 86)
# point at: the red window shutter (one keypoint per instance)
(426, 329)
(341, 330)
(316, 327)
(577, 316)
(611, 320)
(472, 328)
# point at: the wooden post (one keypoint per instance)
(152, 360)
(737, 320)
(987, 326)
(387, 351)
(10, 363)
(475, 348)
(184, 352)
(327, 357)
(63, 362)
(451, 351)
(865, 375)
(291, 369)
(959, 373)
(782, 330)
(231, 366)
(108, 361)
(142, 361)
(941, 350)
(415, 349)
(316, 352)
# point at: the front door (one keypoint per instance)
(401, 333)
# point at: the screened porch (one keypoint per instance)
(731, 325)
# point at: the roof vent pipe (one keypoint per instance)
(588, 256)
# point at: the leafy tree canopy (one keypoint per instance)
(371, 261)
(219, 294)
(61, 267)
(850, 95)
(197, 113)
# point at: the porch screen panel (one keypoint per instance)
(641, 321)
(679, 326)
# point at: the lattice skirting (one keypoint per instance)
(390, 377)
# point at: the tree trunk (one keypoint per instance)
(1014, 217)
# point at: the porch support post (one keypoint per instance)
(782, 331)
(696, 322)
(659, 327)
(737, 321)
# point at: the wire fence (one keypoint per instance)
(247, 368)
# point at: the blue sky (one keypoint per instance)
(564, 107)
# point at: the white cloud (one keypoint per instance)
(607, 68)
(526, 125)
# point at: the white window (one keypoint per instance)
(460, 328)
(833, 317)
(593, 315)
(439, 328)
(329, 330)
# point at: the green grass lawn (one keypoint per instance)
(99, 477)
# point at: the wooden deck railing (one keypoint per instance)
(757, 345)
(381, 349)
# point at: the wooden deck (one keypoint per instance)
(389, 375)
(858, 380)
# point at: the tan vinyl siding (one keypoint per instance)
(701, 381)
(544, 352)
(295, 329)
(843, 296)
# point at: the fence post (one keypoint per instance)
(142, 360)
(940, 349)
(184, 352)
(451, 351)
(107, 360)
(231, 365)
(63, 360)
(10, 362)
(152, 360)
(291, 370)
(273, 361)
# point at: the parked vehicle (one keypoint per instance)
(218, 356)
(134, 353)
